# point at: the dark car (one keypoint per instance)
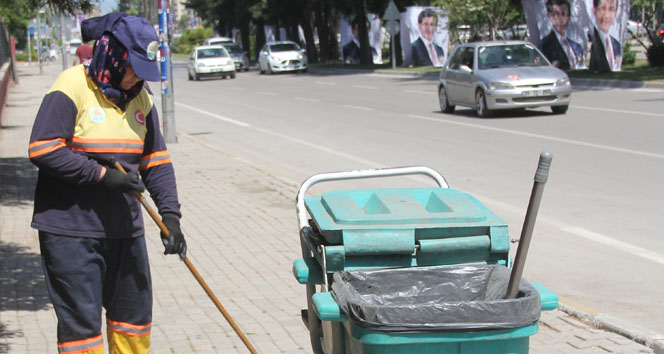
(240, 57)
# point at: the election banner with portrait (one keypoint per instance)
(270, 34)
(608, 32)
(568, 34)
(350, 42)
(424, 36)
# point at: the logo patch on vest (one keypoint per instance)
(140, 118)
(97, 114)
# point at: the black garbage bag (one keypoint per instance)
(450, 298)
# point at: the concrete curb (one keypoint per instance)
(609, 323)
(615, 83)
(580, 82)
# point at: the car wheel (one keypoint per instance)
(480, 104)
(445, 105)
(559, 109)
(232, 75)
(196, 76)
(189, 75)
(305, 70)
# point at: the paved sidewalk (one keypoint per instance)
(242, 234)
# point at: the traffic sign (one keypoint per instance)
(392, 27)
(392, 13)
(31, 31)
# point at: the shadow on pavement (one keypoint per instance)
(21, 280)
(4, 333)
(18, 177)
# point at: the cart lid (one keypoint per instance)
(411, 208)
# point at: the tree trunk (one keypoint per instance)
(332, 21)
(260, 37)
(323, 33)
(312, 53)
(365, 49)
(244, 30)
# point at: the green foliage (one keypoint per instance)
(655, 54)
(629, 56)
(190, 39)
(496, 14)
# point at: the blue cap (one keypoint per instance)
(135, 33)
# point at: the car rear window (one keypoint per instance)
(284, 47)
(233, 48)
(212, 53)
(509, 55)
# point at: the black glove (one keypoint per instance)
(118, 181)
(174, 243)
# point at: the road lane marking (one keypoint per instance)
(366, 87)
(326, 83)
(421, 92)
(539, 136)
(213, 115)
(622, 246)
(358, 107)
(589, 235)
(647, 90)
(307, 99)
(618, 111)
(267, 93)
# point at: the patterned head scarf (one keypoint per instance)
(107, 68)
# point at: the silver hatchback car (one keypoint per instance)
(501, 75)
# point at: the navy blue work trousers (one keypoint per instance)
(85, 274)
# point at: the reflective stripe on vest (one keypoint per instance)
(132, 146)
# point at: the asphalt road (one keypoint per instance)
(598, 238)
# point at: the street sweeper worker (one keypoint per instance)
(90, 225)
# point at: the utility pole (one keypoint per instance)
(39, 55)
(63, 48)
(167, 98)
(29, 46)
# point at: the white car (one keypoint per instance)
(210, 60)
(217, 41)
(636, 28)
(282, 56)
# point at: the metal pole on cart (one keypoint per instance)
(541, 176)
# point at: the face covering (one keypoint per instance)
(107, 68)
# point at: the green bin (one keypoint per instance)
(409, 270)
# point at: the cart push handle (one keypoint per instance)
(541, 176)
(358, 174)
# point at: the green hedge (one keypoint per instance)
(655, 54)
(190, 39)
(629, 56)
